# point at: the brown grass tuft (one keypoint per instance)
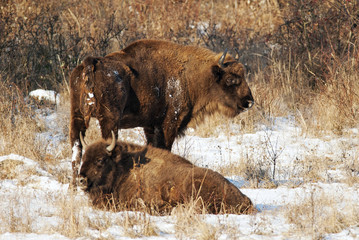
(321, 214)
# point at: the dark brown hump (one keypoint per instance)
(90, 61)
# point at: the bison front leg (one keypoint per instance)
(77, 125)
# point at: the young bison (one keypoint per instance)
(122, 175)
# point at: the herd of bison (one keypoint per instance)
(162, 87)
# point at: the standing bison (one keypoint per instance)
(176, 84)
(123, 175)
(169, 85)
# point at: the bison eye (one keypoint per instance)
(233, 81)
(101, 161)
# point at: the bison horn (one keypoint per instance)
(83, 143)
(113, 143)
(237, 55)
(221, 60)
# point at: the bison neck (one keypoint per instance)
(205, 105)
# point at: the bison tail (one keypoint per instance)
(89, 64)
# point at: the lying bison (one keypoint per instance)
(122, 175)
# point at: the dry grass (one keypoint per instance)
(16, 124)
(8, 169)
(340, 99)
(280, 50)
(313, 78)
(321, 214)
(17, 218)
(189, 223)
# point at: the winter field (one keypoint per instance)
(305, 185)
(295, 154)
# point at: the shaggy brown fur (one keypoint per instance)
(176, 84)
(172, 85)
(158, 85)
(159, 179)
(99, 88)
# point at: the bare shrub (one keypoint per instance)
(316, 33)
(43, 41)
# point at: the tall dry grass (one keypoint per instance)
(301, 58)
(322, 214)
(17, 125)
(298, 53)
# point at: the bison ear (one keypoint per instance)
(217, 72)
(90, 62)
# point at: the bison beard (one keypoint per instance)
(130, 176)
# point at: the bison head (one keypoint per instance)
(98, 166)
(236, 96)
(105, 164)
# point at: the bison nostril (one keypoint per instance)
(250, 103)
(247, 103)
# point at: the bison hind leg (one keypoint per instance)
(107, 126)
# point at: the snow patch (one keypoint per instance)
(40, 201)
(47, 95)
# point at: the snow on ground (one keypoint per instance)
(45, 95)
(36, 204)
